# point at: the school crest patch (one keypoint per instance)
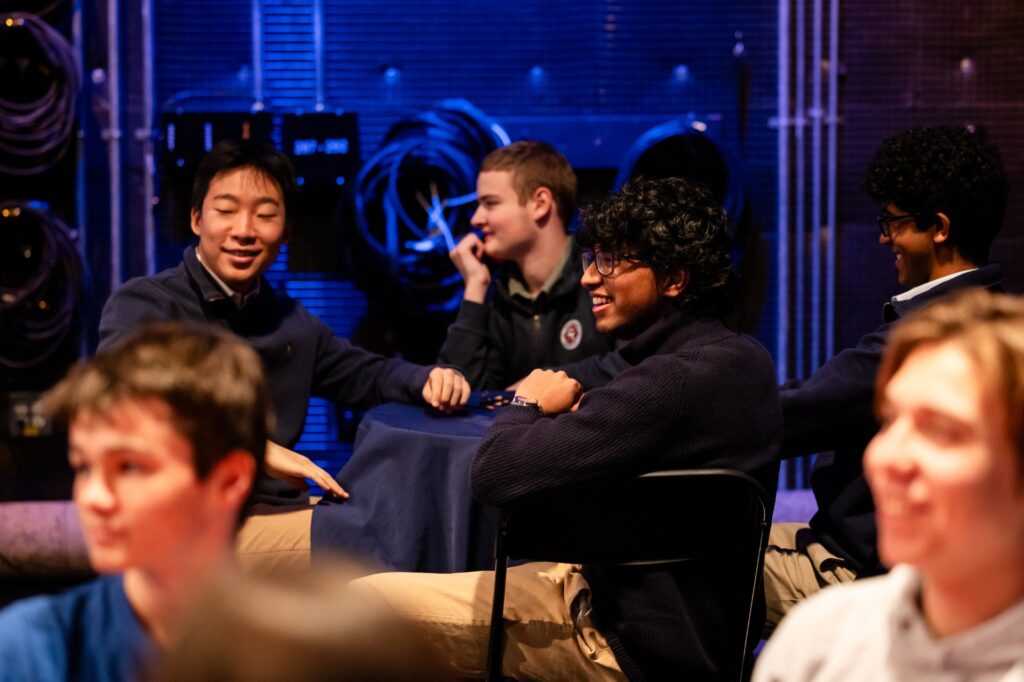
(572, 334)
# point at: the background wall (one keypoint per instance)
(588, 76)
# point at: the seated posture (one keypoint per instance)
(947, 474)
(532, 312)
(166, 434)
(943, 193)
(658, 274)
(241, 212)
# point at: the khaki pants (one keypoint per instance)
(276, 538)
(548, 633)
(796, 566)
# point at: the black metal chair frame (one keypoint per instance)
(610, 523)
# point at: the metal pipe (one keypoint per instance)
(833, 163)
(782, 217)
(145, 135)
(800, 224)
(318, 52)
(113, 138)
(256, 10)
(816, 164)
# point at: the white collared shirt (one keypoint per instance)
(921, 288)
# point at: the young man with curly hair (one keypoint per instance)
(942, 193)
(166, 434)
(658, 273)
(523, 306)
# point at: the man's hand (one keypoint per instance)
(293, 468)
(468, 257)
(556, 392)
(446, 389)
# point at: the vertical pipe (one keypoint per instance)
(800, 163)
(145, 135)
(833, 162)
(318, 52)
(782, 218)
(257, 55)
(81, 223)
(816, 173)
(114, 141)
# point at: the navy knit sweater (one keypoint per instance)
(301, 355)
(696, 396)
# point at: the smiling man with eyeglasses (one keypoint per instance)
(943, 193)
(658, 275)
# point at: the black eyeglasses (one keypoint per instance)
(885, 221)
(606, 260)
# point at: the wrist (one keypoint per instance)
(529, 403)
(476, 291)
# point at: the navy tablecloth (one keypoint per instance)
(410, 507)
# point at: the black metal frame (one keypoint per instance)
(609, 523)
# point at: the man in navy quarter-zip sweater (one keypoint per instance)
(943, 194)
(242, 212)
(658, 273)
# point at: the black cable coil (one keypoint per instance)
(40, 286)
(39, 83)
(414, 198)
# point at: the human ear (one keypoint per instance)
(543, 203)
(675, 284)
(941, 225)
(232, 477)
(195, 222)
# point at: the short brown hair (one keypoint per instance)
(989, 329)
(211, 382)
(537, 164)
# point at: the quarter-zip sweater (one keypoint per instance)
(301, 356)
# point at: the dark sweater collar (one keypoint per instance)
(208, 287)
(673, 330)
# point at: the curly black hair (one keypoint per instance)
(674, 225)
(946, 170)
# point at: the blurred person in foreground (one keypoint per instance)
(166, 433)
(946, 471)
(309, 626)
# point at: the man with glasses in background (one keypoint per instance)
(659, 277)
(943, 193)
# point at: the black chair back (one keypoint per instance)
(660, 517)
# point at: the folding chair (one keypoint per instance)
(657, 518)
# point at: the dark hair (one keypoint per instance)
(312, 625)
(537, 164)
(229, 155)
(944, 170)
(211, 382)
(675, 225)
(989, 329)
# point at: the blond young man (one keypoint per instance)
(523, 305)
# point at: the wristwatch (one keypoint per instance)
(523, 401)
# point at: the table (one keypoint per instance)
(410, 507)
